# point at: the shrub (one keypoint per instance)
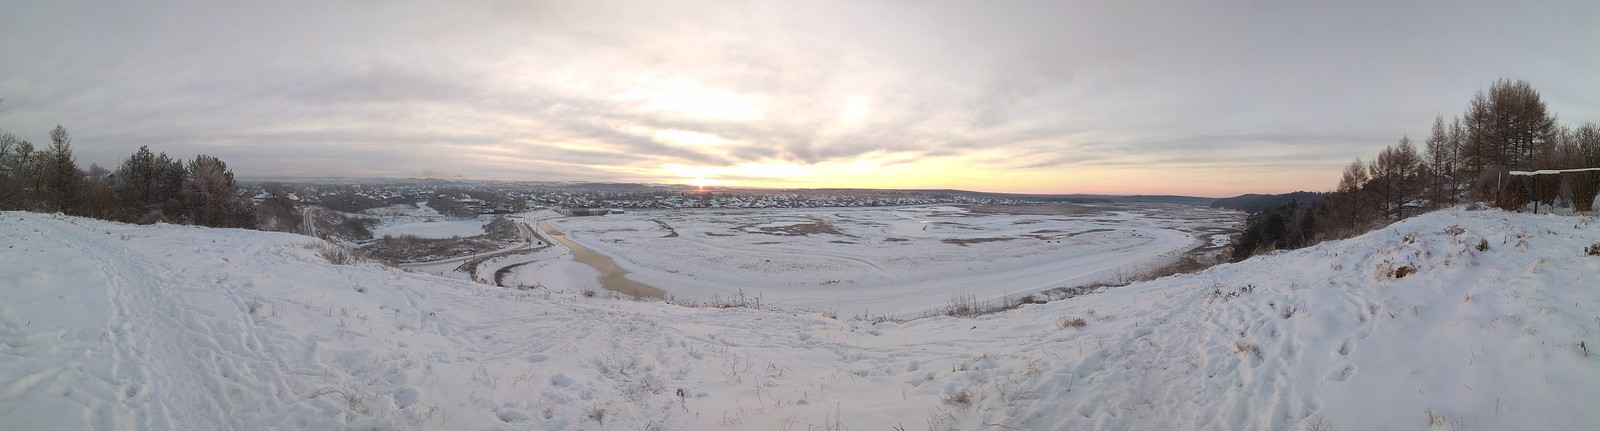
(334, 254)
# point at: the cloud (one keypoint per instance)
(613, 90)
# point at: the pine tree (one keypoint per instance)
(170, 176)
(210, 192)
(135, 183)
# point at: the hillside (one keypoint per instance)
(110, 326)
(1254, 203)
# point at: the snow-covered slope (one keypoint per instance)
(111, 326)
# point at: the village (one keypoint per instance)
(493, 197)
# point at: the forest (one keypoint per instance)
(145, 188)
(1506, 150)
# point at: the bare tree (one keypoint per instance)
(1585, 144)
(14, 154)
(1506, 127)
(1439, 159)
(99, 201)
(1348, 201)
(61, 180)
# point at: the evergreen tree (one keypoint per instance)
(135, 183)
(210, 191)
(170, 176)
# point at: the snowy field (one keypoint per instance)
(435, 229)
(423, 221)
(110, 326)
(894, 260)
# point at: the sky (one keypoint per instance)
(1121, 97)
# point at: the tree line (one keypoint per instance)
(1464, 160)
(145, 188)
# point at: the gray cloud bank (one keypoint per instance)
(600, 90)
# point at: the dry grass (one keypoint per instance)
(1076, 322)
(961, 398)
(1437, 420)
(1403, 271)
(334, 254)
(965, 241)
(1252, 349)
(970, 306)
(737, 300)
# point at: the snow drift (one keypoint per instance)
(1451, 320)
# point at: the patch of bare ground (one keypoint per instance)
(952, 224)
(814, 227)
(965, 241)
(500, 274)
(471, 266)
(671, 233)
(1052, 209)
(718, 234)
(1051, 234)
(893, 239)
(840, 242)
(969, 305)
(407, 248)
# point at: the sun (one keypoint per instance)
(703, 182)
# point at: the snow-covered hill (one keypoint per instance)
(111, 326)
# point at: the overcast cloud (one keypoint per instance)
(1117, 96)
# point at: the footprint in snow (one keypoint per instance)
(1344, 374)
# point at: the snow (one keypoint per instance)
(899, 261)
(434, 229)
(423, 221)
(113, 326)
